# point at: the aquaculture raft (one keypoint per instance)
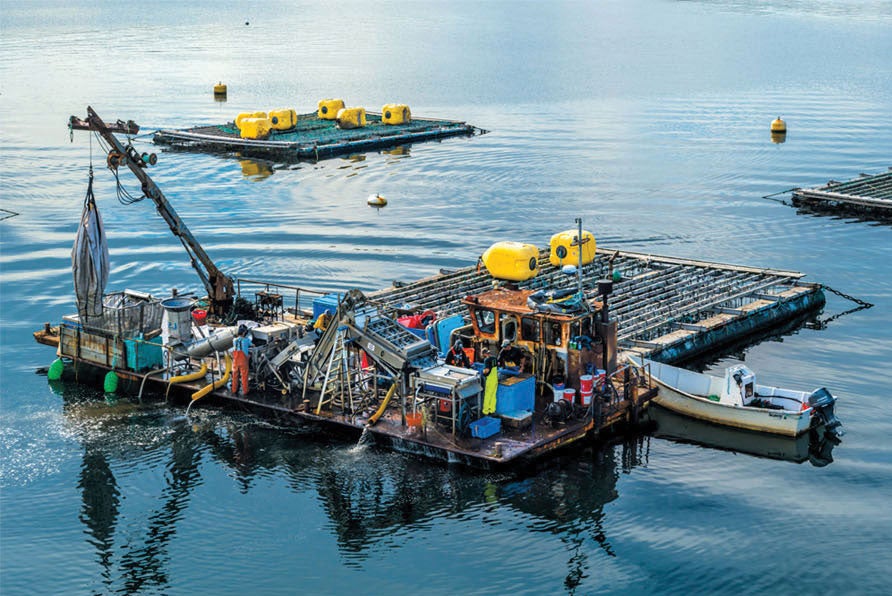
(314, 138)
(666, 308)
(867, 192)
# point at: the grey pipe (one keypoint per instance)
(220, 341)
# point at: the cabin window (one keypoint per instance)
(749, 390)
(529, 329)
(574, 329)
(553, 333)
(486, 320)
(509, 328)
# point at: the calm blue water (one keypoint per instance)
(647, 118)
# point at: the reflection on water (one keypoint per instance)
(255, 170)
(814, 446)
(367, 496)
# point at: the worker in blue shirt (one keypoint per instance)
(240, 353)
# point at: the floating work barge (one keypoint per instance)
(865, 193)
(314, 138)
(663, 307)
(414, 366)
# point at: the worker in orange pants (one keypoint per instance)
(241, 350)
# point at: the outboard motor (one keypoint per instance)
(824, 405)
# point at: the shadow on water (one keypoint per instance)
(366, 494)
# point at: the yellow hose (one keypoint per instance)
(216, 384)
(383, 406)
(191, 376)
(199, 374)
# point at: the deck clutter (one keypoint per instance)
(333, 129)
(545, 334)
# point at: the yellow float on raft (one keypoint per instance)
(396, 113)
(243, 115)
(255, 128)
(351, 117)
(328, 108)
(512, 261)
(565, 249)
(283, 119)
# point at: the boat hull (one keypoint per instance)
(779, 422)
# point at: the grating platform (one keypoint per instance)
(314, 138)
(872, 192)
(666, 308)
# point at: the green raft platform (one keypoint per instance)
(314, 138)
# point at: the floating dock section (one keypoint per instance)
(867, 192)
(314, 138)
(668, 309)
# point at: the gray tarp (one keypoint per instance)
(89, 258)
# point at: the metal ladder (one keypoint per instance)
(337, 374)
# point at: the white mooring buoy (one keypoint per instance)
(376, 200)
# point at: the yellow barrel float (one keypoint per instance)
(283, 119)
(565, 249)
(396, 113)
(243, 115)
(512, 261)
(328, 108)
(255, 128)
(351, 117)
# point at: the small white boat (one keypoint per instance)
(736, 400)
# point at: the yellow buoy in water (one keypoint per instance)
(220, 89)
(376, 200)
(778, 125)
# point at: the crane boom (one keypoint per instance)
(218, 285)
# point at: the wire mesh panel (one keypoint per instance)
(125, 314)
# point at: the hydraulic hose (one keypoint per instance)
(199, 374)
(216, 384)
(374, 419)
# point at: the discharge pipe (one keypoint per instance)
(374, 419)
(216, 384)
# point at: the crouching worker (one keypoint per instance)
(240, 351)
(457, 356)
(322, 322)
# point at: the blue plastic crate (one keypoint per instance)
(329, 301)
(516, 393)
(143, 355)
(486, 427)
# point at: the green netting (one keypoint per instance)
(313, 130)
